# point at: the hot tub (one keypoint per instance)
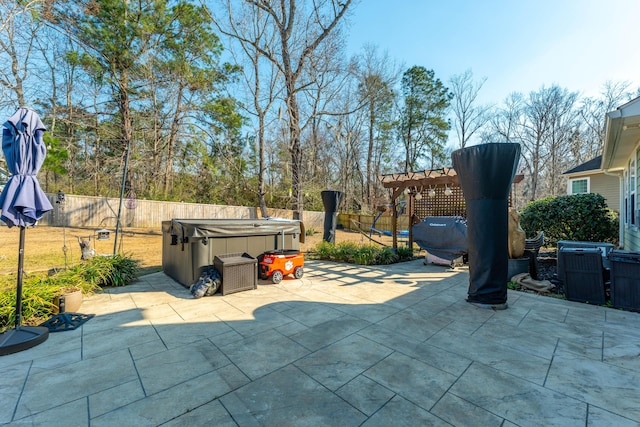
(190, 245)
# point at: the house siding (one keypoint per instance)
(631, 239)
(609, 187)
(606, 185)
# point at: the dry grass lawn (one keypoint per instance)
(43, 248)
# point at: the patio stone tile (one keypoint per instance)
(339, 363)
(414, 324)
(291, 328)
(150, 298)
(105, 342)
(518, 400)
(312, 313)
(586, 314)
(111, 320)
(401, 298)
(434, 356)
(169, 368)
(47, 388)
(55, 360)
(112, 398)
(12, 378)
(261, 354)
(458, 310)
(249, 301)
(369, 312)
(459, 412)
(329, 332)
(321, 295)
(205, 308)
(176, 401)
(441, 302)
(116, 303)
(365, 395)
(209, 414)
(587, 346)
(567, 332)
(609, 387)
(537, 343)
(628, 328)
(268, 402)
(158, 311)
(412, 379)
(548, 313)
(147, 349)
(74, 413)
(501, 357)
(621, 350)
(518, 309)
(59, 349)
(400, 412)
(175, 333)
(599, 417)
(225, 338)
(621, 317)
(263, 320)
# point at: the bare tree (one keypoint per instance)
(18, 31)
(300, 30)
(377, 77)
(593, 113)
(563, 126)
(469, 117)
(249, 33)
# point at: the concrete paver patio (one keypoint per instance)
(344, 346)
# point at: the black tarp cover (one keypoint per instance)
(442, 236)
(199, 228)
(331, 200)
(485, 173)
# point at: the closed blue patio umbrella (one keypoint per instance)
(23, 203)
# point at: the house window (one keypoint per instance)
(630, 192)
(579, 186)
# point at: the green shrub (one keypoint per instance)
(582, 217)
(386, 256)
(404, 253)
(362, 254)
(346, 251)
(366, 255)
(323, 250)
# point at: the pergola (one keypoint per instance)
(434, 192)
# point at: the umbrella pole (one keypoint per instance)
(21, 337)
(20, 275)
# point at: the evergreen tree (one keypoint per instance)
(423, 125)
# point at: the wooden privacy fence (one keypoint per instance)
(102, 212)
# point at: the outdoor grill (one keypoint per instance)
(444, 237)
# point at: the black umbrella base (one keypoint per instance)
(22, 338)
(501, 306)
(66, 321)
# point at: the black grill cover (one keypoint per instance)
(331, 200)
(442, 236)
(485, 173)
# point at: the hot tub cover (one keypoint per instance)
(203, 228)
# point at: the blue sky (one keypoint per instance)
(518, 45)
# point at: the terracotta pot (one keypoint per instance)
(72, 302)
